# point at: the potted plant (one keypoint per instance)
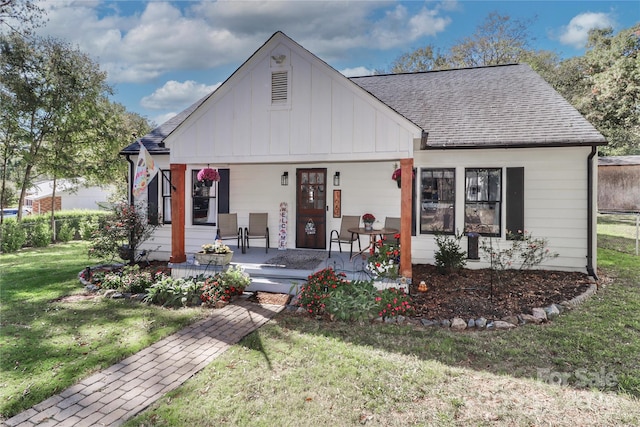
(214, 253)
(397, 176)
(384, 259)
(368, 220)
(208, 176)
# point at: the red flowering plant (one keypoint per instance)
(314, 295)
(397, 174)
(224, 285)
(208, 174)
(384, 258)
(368, 218)
(393, 302)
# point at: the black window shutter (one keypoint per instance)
(515, 201)
(152, 200)
(223, 191)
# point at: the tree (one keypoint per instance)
(422, 59)
(16, 15)
(609, 95)
(498, 40)
(57, 118)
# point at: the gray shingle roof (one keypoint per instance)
(508, 105)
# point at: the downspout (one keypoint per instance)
(130, 180)
(590, 270)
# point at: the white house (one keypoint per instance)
(491, 149)
(68, 196)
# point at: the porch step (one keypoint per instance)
(279, 286)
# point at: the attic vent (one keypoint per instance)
(279, 84)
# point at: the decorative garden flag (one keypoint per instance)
(146, 169)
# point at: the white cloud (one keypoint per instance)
(164, 117)
(576, 34)
(174, 94)
(156, 38)
(356, 72)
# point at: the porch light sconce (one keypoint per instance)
(336, 179)
(284, 179)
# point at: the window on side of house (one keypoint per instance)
(483, 192)
(204, 203)
(166, 196)
(437, 200)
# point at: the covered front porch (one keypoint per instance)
(285, 271)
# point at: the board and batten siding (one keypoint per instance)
(328, 118)
(555, 198)
(365, 187)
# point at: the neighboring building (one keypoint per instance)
(69, 196)
(492, 149)
(619, 183)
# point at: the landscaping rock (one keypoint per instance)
(109, 293)
(529, 318)
(427, 322)
(91, 288)
(511, 319)
(400, 319)
(552, 311)
(501, 324)
(540, 314)
(471, 323)
(445, 323)
(490, 324)
(389, 320)
(458, 324)
(481, 322)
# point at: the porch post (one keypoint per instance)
(177, 213)
(406, 196)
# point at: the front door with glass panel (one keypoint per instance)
(311, 205)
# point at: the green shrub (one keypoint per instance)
(12, 235)
(170, 292)
(130, 280)
(39, 234)
(449, 257)
(66, 232)
(88, 227)
(355, 301)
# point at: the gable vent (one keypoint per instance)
(279, 83)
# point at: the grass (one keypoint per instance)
(47, 345)
(300, 371)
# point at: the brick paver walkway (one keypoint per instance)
(112, 396)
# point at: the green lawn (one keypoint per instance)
(47, 345)
(301, 371)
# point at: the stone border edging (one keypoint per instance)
(538, 316)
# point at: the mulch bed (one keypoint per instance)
(479, 293)
(269, 298)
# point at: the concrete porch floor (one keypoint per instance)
(268, 277)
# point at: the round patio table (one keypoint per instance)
(372, 237)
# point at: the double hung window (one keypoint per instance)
(483, 193)
(437, 200)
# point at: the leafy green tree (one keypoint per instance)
(56, 116)
(610, 95)
(425, 58)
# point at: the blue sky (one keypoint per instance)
(161, 56)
